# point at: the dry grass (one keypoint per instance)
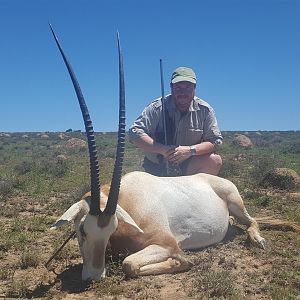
(35, 188)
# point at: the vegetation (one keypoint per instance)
(40, 177)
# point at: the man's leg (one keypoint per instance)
(152, 168)
(210, 164)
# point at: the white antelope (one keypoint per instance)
(153, 218)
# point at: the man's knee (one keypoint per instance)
(215, 164)
(216, 160)
(210, 164)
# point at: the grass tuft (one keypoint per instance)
(18, 289)
(215, 284)
(29, 259)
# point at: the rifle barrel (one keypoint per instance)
(163, 109)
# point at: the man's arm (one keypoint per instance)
(182, 153)
(146, 143)
(140, 133)
(211, 130)
(212, 139)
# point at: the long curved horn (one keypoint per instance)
(94, 166)
(112, 201)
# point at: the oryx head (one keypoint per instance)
(93, 225)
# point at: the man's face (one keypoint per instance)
(183, 93)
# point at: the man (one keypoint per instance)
(192, 131)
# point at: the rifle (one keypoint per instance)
(163, 110)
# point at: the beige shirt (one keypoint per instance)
(197, 125)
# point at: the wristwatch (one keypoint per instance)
(193, 150)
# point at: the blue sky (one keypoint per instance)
(246, 54)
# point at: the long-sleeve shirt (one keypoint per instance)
(197, 125)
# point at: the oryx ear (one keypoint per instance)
(125, 217)
(75, 212)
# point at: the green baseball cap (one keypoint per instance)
(183, 74)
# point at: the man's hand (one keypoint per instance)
(179, 154)
(167, 150)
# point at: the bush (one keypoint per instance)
(292, 148)
(229, 168)
(261, 167)
(54, 168)
(7, 185)
(23, 168)
(283, 182)
(262, 201)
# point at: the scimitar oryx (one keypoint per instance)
(153, 218)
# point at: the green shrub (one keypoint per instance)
(24, 167)
(292, 148)
(7, 185)
(52, 168)
(262, 201)
(229, 169)
(249, 194)
(279, 181)
(258, 199)
(261, 167)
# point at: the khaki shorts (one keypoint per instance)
(161, 169)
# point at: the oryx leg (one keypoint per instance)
(154, 260)
(237, 209)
